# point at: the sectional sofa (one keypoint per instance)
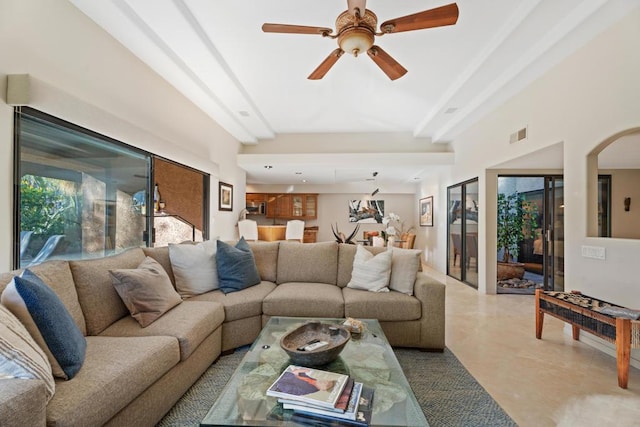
(133, 375)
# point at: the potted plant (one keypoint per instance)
(394, 227)
(517, 220)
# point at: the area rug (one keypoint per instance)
(446, 391)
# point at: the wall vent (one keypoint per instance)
(518, 135)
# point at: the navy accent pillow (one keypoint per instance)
(62, 336)
(237, 268)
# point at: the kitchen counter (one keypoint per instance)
(271, 233)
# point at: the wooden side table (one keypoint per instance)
(581, 312)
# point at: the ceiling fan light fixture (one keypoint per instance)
(356, 40)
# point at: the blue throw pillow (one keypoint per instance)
(48, 321)
(237, 268)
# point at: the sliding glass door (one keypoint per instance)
(462, 229)
(554, 251)
(530, 234)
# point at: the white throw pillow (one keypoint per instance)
(20, 356)
(405, 265)
(194, 267)
(370, 272)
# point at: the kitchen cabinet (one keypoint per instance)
(304, 206)
(255, 198)
(292, 206)
(310, 235)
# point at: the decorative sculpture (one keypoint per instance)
(341, 238)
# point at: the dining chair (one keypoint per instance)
(248, 229)
(408, 240)
(295, 230)
(377, 241)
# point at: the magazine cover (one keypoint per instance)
(341, 404)
(350, 413)
(316, 387)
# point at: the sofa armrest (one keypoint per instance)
(431, 293)
(22, 403)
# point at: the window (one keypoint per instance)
(75, 191)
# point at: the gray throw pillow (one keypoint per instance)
(146, 291)
(194, 267)
(237, 268)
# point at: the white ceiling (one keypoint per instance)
(254, 84)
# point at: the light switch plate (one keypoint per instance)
(595, 252)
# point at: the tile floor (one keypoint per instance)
(548, 382)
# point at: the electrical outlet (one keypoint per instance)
(595, 252)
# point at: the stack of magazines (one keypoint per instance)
(324, 395)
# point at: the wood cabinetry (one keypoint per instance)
(255, 198)
(271, 233)
(292, 206)
(310, 235)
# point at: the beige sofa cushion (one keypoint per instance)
(296, 299)
(266, 256)
(346, 254)
(190, 322)
(387, 306)
(308, 262)
(116, 370)
(57, 275)
(100, 302)
(242, 304)
(22, 403)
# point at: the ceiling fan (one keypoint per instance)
(356, 31)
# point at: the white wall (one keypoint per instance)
(81, 74)
(334, 209)
(333, 205)
(588, 97)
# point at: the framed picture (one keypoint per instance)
(225, 196)
(366, 211)
(426, 212)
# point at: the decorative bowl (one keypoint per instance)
(299, 344)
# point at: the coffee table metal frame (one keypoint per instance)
(367, 357)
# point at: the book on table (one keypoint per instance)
(362, 415)
(350, 413)
(311, 386)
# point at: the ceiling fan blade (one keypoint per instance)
(390, 66)
(438, 17)
(295, 29)
(357, 4)
(326, 65)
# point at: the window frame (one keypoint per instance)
(20, 111)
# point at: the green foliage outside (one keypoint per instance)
(517, 220)
(48, 206)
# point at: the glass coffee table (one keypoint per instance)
(367, 357)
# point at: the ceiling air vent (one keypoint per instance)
(518, 135)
